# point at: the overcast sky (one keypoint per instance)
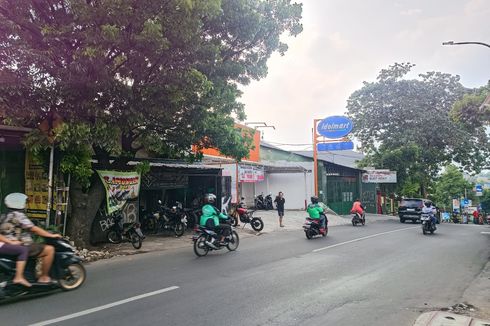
(346, 42)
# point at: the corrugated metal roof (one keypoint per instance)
(343, 158)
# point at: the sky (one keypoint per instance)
(346, 42)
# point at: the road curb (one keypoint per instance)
(444, 318)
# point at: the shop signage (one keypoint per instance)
(36, 188)
(251, 174)
(337, 146)
(246, 174)
(379, 176)
(120, 187)
(335, 127)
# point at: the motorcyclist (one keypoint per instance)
(17, 227)
(358, 208)
(316, 210)
(429, 209)
(211, 217)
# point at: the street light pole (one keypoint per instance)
(464, 43)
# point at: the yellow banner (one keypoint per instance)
(36, 188)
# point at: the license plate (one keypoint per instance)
(410, 210)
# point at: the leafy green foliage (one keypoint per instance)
(405, 125)
(131, 75)
(470, 110)
(451, 183)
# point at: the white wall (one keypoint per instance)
(291, 184)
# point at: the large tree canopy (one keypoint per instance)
(126, 75)
(151, 74)
(405, 125)
(450, 184)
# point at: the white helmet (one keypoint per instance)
(16, 200)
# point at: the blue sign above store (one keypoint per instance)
(338, 146)
(335, 127)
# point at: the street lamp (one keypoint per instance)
(463, 43)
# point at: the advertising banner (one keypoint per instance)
(379, 176)
(246, 174)
(120, 187)
(36, 188)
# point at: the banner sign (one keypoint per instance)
(379, 176)
(250, 174)
(337, 146)
(120, 187)
(456, 205)
(36, 188)
(335, 127)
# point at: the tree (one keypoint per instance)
(131, 75)
(471, 110)
(404, 125)
(451, 183)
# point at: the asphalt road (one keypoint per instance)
(385, 273)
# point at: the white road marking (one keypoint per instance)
(483, 232)
(364, 238)
(107, 306)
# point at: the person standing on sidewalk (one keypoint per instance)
(280, 207)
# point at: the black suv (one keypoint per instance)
(410, 209)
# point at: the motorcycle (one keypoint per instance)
(173, 219)
(67, 270)
(312, 227)
(246, 216)
(193, 215)
(128, 232)
(427, 224)
(259, 202)
(203, 241)
(268, 202)
(358, 219)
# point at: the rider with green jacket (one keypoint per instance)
(316, 210)
(211, 217)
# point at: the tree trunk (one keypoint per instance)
(84, 207)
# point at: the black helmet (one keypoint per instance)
(314, 199)
(428, 203)
(210, 198)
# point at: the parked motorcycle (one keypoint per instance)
(128, 232)
(262, 202)
(427, 225)
(193, 216)
(259, 202)
(170, 219)
(358, 219)
(203, 241)
(67, 270)
(312, 227)
(245, 216)
(268, 202)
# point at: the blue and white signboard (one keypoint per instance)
(479, 190)
(335, 127)
(339, 146)
(465, 202)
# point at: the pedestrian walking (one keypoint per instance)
(280, 207)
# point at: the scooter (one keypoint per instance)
(205, 240)
(246, 216)
(313, 228)
(67, 270)
(128, 232)
(358, 219)
(428, 226)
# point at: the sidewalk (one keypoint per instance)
(293, 221)
(476, 305)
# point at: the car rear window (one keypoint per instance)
(412, 203)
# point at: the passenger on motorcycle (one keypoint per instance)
(357, 208)
(429, 209)
(316, 210)
(15, 226)
(211, 217)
